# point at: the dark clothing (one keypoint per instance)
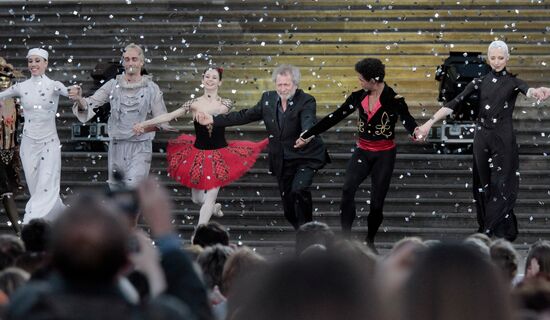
(496, 160)
(209, 137)
(284, 159)
(294, 186)
(184, 284)
(56, 298)
(378, 164)
(382, 124)
(280, 114)
(300, 116)
(363, 163)
(10, 170)
(498, 92)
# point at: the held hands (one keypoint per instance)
(301, 142)
(139, 128)
(204, 118)
(541, 93)
(544, 93)
(75, 94)
(421, 133)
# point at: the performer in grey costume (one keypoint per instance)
(133, 98)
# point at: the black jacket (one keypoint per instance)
(382, 124)
(300, 116)
(56, 298)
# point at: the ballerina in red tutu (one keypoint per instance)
(205, 162)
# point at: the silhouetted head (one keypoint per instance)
(455, 282)
(210, 234)
(90, 242)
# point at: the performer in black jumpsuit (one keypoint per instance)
(496, 161)
(379, 109)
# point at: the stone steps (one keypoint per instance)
(459, 178)
(182, 60)
(320, 10)
(385, 234)
(381, 36)
(426, 183)
(324, 39)
(310, 49)
(404, 160)
(252, 203)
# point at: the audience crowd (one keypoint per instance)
(97, 262)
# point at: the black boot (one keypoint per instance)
(11, 211)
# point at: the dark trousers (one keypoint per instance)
(378, 164)
(294, 186)
(495, 181)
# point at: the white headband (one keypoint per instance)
(38, 52)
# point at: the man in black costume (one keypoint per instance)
(379, 109)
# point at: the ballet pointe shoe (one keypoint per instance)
(11, 212)
(217, 210)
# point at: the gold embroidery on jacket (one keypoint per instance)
(360, 124)
(384, 129)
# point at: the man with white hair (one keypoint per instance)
(495, 150)
(286, 112)
(134, 98)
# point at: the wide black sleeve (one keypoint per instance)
(406, 118)
(308, 115)
(470, 88)
(240, 117)
(521, 85)
(347, 108)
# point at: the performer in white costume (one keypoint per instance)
(40, 148)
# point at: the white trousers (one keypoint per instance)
(41, 160)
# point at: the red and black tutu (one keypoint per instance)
(207, 169)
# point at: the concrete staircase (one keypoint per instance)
(430, 194)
